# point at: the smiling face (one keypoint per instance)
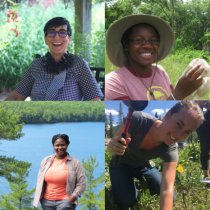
(58, 45)
(179, 125)
(60, 147)
(146, 54)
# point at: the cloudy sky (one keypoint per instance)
(161, 107)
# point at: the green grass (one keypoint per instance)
(190, 192)
(109, 67)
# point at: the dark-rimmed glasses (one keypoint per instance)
(61, 33)
(143, 41)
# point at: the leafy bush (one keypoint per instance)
(16, 53)
(191, 194)
(186, 55)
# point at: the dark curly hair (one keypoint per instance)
(60, 136)
(56, 22)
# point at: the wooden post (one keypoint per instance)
(82, 33)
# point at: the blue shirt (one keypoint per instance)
(72, 84)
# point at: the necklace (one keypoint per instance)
(149, 89)
(53, 67)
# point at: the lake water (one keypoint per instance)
(86, 138)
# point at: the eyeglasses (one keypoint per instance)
(61, 33)
(142, 41)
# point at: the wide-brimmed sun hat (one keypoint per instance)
(114, 48)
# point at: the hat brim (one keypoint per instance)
(114, 48)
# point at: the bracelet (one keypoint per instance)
(173, 96)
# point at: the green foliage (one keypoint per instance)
(156, 115)
(20, 197)
(89, 199)
(190, 192)
(9, 127)
(111, 126)
(16, 53)
(101, 203)
(120, 115)
(206, 38)
(108, 158)
(106, 126)
(9, 166)
(115, 10)
(52, 112)
(13, 170)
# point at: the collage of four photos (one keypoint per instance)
(104, 104)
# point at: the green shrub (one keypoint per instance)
(191, 194)
(16, 53)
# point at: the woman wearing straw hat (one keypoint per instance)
(134, 43)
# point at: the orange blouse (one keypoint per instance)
(56, 178)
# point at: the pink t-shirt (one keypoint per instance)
(124, 84)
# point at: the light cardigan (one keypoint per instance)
(75, 185)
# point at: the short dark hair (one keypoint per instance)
(61, 136)
(56, 22)
(128, 32)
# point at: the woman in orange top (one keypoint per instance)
(61, 178)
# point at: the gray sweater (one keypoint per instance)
(139, 127)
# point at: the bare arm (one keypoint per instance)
(15, 97)
(188, 83)
(95, 99)
(167, 185)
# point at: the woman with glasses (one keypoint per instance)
(134, 43)
(59, 75)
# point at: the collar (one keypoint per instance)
(141, 75)
(67, 158)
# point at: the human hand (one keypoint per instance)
(72, 199)
(116, 148)
(188, 83)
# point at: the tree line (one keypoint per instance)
(16, 172)
(110, 129)
(189, 20)
(53, 112)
